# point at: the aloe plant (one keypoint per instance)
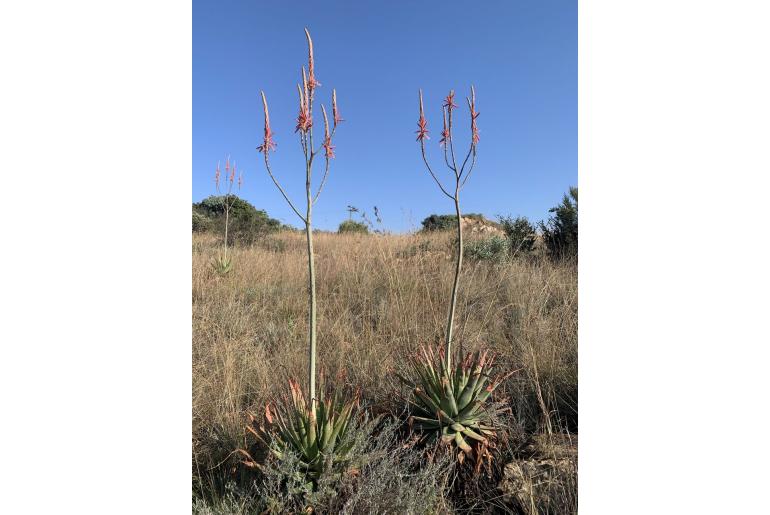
(309, 428)
(461, 176)
(223, 264)
(305, 128)
(451, 403)
(317, 436)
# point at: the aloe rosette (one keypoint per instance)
(453, 405)
(318, 438)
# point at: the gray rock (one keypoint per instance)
(546, 482)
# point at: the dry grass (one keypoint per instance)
(379, 298)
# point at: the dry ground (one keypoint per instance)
(379, 298)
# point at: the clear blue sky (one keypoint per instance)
(521, 55)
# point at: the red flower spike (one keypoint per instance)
(422, 132)
(304, 119)
(474, 115)
(445, 136)
(232, 174)
(328, 148)
(301, 97)
(312, 82)
(335, 111)
(268, 144)
(449, 101)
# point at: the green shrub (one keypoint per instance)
(247, 223)
(351, 226)
(444, 222)
(495, 248)
(200, 223)
(560, 233)
(391, 477)
(520, 233)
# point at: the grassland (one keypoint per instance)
(380, 298)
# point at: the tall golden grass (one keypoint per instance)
(379, 298)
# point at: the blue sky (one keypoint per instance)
(520, 55)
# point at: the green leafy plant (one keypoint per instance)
(385, 476)
(200, 222)
(560, 233)
(494, 248)
(520, 234)
(315, 433)
(450, 404)
(365, 226)
(222, 265)
(351, 226)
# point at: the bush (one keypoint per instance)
(200, 223)
(247, 223)
(495, 249)
(560, 233)
(520, 233)
(391, 478)
(444, 222)
(351, 226)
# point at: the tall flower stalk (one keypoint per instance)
(228, 198)
(461, 175)
(449, 403)
(306, 92)
(222, 264)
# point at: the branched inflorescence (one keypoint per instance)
(223, 264)
(461, 175)
(310, 429)
(451, 403)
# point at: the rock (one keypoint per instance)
(546, 482)
(483, 227)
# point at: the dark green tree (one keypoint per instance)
(560, 233)
(519, 232)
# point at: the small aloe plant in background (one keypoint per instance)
(223, 263)
(309, 427)
(449, 402)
